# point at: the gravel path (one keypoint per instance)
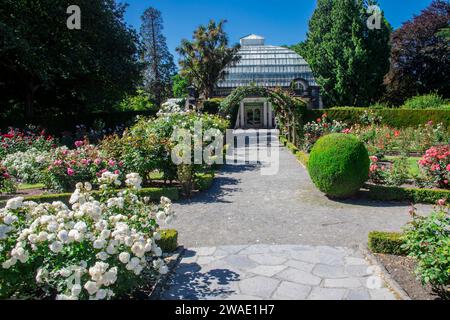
(245, 207)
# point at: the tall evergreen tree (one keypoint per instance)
(160, 67)
(420, 58)
(204, 59)
(348, 59)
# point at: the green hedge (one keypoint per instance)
(153, 193)
(385, 193)
(386, 242)
(169, 240)
(204, 181)
(397, 118)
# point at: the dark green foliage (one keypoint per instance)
(348, 59)
(427, 101)
(212, 106)
(47, 69)
(169, 240)
(180, 86)
(141, 101)
(204, 181)
(153, 193)
(384, 193)
(396, 118)
(420, 56)
(427, 239)
(159, 65)
(386, 243)
(339, 165)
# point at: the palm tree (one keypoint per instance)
(203, 60)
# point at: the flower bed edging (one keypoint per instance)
(426, 196)
(172, 262)
(153, 193)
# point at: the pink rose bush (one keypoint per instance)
(85, 163)
(436, 165)
(376, 170)
(98, 248)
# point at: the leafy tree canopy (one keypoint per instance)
(348, 59)
(420, 57)
(47, 69)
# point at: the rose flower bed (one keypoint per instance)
(16, 140)
(97, 249)
(436, 165)
(85, 163)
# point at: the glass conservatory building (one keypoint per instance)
(271, 67)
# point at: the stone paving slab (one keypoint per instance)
(265, 272)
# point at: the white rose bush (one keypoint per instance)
(98, 248)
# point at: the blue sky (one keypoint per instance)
(279, 21)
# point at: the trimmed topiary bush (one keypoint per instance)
(169, 240)
(386, 243)
(339, 165)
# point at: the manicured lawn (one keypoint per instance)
(27, 186)
(414, 168)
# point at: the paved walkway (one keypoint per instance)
(258, 272)
(246, 208)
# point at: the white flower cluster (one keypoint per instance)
(118, 235)
(133, 180)
(172, 106)
(109, 178)
(27, 166)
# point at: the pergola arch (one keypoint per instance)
(288, 109)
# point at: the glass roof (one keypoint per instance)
(265, 65)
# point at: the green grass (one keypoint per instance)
(156, 175)
(27, 186)
(414, 169)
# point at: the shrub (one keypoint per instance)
(428, 101)
(139, 102)
(386, 243)
(322, 126)
(168, 241)
(96, 250)
(427, 239)
(7, 184)
(16, 140)
(27, 166)
(204, 181)
(148, 145)
(415, 195)
(398, 174)
(436, 165)
(85, 163)
(394, 118)
(339, 165)
(376, 171)
(212, 106)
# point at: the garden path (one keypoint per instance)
(245, 208)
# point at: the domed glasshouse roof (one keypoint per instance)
(265, 65)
